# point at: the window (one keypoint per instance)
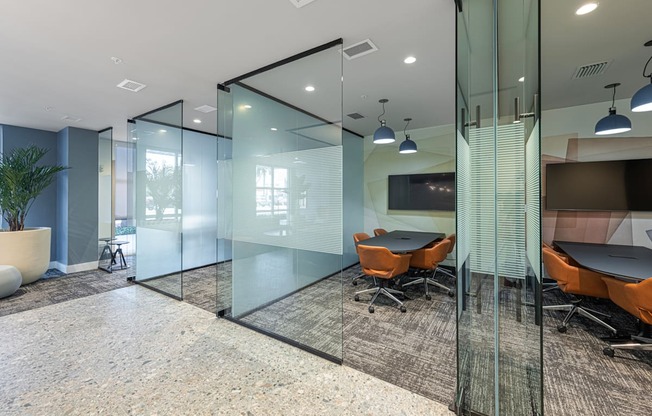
(271, 191)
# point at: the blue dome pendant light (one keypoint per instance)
(613, 123)
(408, 146)
(642, 100)
(383, 134)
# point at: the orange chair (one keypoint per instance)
(382, 265)
(576, 281)
(428, 259)
(635, 298)
(452, 239)
(379, 231)
(357, 237)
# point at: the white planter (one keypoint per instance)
(28, 251)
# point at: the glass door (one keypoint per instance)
(283, 204)
(498, 319)
(159, 144)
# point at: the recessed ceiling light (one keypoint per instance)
(586, 8)
(273, 129)
(410, 60)
(162, 131)
(198, 121)
(310, 88)
(247, 106)
(521, 79)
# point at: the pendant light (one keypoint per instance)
(642, 100)
(408, 146)
(383, 134)
(613, 123)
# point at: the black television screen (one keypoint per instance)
(422, 192)
(617, 185)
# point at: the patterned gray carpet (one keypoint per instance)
(56, 287)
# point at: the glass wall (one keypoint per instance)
(499, 332)
(105, 196)
(285, 225)
(159, 144)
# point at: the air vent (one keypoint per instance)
(71, 119)
(355, 116)
(132, 86)
(591, 70)
(205, 108)
(300, 3)
(359, 49)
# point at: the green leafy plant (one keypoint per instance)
(22, 179)
(163, 186)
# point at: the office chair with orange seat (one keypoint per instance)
(439, 269)
(379, 231)
(575, 281)
(357, 237)
(635, 298)
(382, 265)
(428, 259)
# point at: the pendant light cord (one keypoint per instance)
(382, 113)
(405, 128)
(645, 67)
(613, 99)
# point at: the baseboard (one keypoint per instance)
(73, 268)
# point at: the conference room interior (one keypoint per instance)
(297, 296)
(282, 273)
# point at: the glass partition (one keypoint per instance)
(285, 162)
(105, 204)
(159, 143)
(499, 332)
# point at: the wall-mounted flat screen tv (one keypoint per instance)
(422, 192)
(616, 185)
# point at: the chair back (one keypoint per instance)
(452, 239)
(429, 258)
(573, 279)
(357, 237)
(379, 231)
(635, 298)
(382, 263)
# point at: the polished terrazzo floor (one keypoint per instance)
(133, 351)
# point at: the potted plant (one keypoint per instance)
(22, 179)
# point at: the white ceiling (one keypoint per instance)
(56, 55)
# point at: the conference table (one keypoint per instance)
(630, 263)
(403, 241)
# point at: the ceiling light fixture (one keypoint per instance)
(162, 131)
(613, 123)
(586, 8)
(642, 100)
(247, 106)
(310, 88)
(408, 146)
(198, 121)
(273, 129)
(521, 79)
(116, 60)
(410, 60)
(383, 134)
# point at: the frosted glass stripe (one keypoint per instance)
(533, 200)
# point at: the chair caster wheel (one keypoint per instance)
(403, 309)
(451, 294)
(608, 351)
(371, 309)
(562, 329)
(428, 297)
(357, 298)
